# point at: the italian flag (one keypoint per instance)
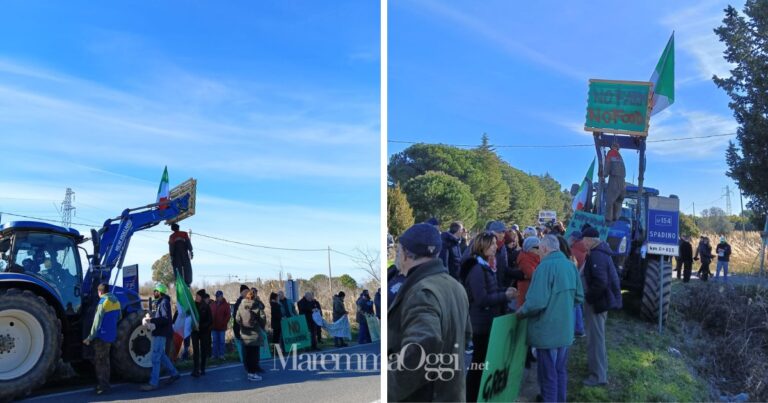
(663, 79)
(187, 317)
(163, 194)
(580, 200)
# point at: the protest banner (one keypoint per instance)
(620, 107)
(594, 220)
(373, 327)
(505, 360)
(295, 331)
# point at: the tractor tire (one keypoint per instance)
(649, 307)
(30, 342)
(132, 350)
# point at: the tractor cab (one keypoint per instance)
(47, 253)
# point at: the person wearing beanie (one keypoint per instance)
(220, 312)
(487, 300)
(602, 293)
(163, 329)
(723, 252)
(201, 337)
(429, 310)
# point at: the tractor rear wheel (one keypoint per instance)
(132, 351)
(30, 342)
(650, 303)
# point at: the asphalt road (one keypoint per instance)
(351, 376)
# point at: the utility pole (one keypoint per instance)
(330, 287)
(743, 224)
(67, 208)
(694, 213)
(727, 196)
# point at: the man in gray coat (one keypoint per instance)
(428, 324)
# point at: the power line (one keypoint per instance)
(561, 145)
(197, 234)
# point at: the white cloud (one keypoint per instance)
(690, 123)
(499, 38)
(694, 35)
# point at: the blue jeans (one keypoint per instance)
(553, 374)
(722, 265)
(578, 314)
(160, 358)
(218, 343)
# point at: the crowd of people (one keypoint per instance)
(686, 257)
(446, 288)
(208, 339)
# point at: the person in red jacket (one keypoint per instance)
(527, 261)
(221, 315)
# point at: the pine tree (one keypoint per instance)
(745, 39)
(399, 212)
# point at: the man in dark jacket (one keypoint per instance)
(339, 310)
(602, 293)
(723, 252)
(201, 338)
(364, 307)
(162, 327)
(685, 258)
(704, 250)
(429, 311)
(377, 303)
(180, 249)
(307, 306)
(450, 253)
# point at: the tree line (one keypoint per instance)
(470, 185)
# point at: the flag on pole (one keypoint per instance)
(187, 317)
(163, 194)
(580, 200)
(663, 79)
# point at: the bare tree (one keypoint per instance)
(368, 261)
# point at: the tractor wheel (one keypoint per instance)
(30, 342)
(650, 304)
(132, 351)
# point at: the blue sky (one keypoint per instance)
(272, 106)
(519, 71)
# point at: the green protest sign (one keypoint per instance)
(295, 331)
(373, 327)
(505, 359)
(619, 107)
(594, 220)
(264, 351)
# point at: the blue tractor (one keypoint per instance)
(627, 236)
(48, 299)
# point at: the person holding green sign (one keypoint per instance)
(487, 300)
(554, 290)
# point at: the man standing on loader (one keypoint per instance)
(180, 249)
(616, 190)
